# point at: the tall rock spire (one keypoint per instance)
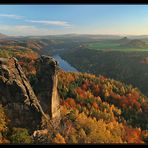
(46, 86)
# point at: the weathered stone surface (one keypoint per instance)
(17, 95)
(46, 86)
(25, 107)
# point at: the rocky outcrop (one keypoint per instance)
(24, 107)
(17, 96)
(46, 86)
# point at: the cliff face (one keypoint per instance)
(24, 107)
(46, 85)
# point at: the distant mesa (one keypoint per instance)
(134, 43)
(123, 41)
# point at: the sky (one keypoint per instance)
(24, 20)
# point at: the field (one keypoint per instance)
(112, 45)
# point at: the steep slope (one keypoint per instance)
(128, 67)
(90, 102)
(92, 109)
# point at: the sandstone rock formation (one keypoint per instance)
(46, 86)
(17, 96)
(24, 107)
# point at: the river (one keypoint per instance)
(64, 64)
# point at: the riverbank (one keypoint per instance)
(64, 64)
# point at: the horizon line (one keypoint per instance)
(7, 35)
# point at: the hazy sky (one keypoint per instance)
(82, 19)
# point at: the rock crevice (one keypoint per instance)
(24, 107)
(32, 100)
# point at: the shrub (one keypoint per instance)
(20, 135)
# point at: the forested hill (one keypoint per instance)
(128, 67)
(94, 109)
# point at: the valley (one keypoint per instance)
(73, 74)
(101, 89)
(114, 60)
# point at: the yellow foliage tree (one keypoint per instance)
(59, 139)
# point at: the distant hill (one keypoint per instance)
(124, 40)
(135, 44)
(138, 36)
(2, 36)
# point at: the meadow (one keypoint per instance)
(112, 45)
